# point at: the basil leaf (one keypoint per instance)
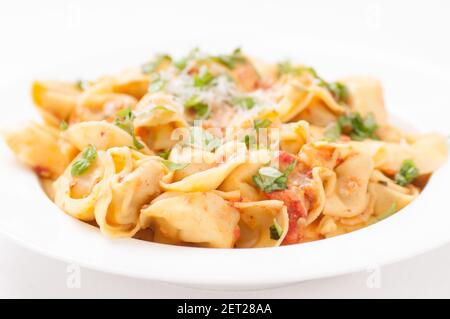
(63, 125)
(231, 60)
(87, 158)
(250, 140)
(174, 166)
(357, 127)
(82, 85)
(286, 67)
(244, 102)
(203, 78)
(408, 172)
(270, 179)
(196, 105)
(339, 91)
(124, 120)
(164, 154)
(264, 123)
(275, 230)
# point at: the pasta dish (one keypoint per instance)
(223, 151)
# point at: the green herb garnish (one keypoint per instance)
(339, 91)
(164, 154)
(264, 123)
(275, 230)
(286, 67)
(174, 166)
(63, 125)
(153, 65)
(196, 105)
(87, 158)
(355, 126)
(203, 78)
(270, 179)
(250, 140)
(82, 85)
(244, 102)
(408, 172)
(230, 60)
(124, 120)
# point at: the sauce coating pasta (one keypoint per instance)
(224, 151)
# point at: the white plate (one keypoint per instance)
(30, 218)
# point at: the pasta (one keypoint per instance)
(224, 151)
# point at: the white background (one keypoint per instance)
(37, 34)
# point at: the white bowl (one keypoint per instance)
(30, 218)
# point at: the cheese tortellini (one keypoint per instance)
(224, 151)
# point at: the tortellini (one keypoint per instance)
(113, 191)
(201, 218)
(101, 134)
(212, 177)
(158, 117)
(42, 148)
(55, 100)
(224, 151)
(350, 197)
(255, 222)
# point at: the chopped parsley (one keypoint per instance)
(264, 123)
(244, 102)
(63, 125)
(339, 91)
(286, 67)
(203, 78)
(270, 179)
(357, 127)
(196, 105)
(82, 85)
(124, 120)
(164, 154)
(408, 172)
(87, 158)
(158, 61)
(230, 60)
(250, 140)
(275, 230)
(353, 125)
(174, 166)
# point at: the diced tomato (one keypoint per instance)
(41, 171)
(285, 159)
(295, 211)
